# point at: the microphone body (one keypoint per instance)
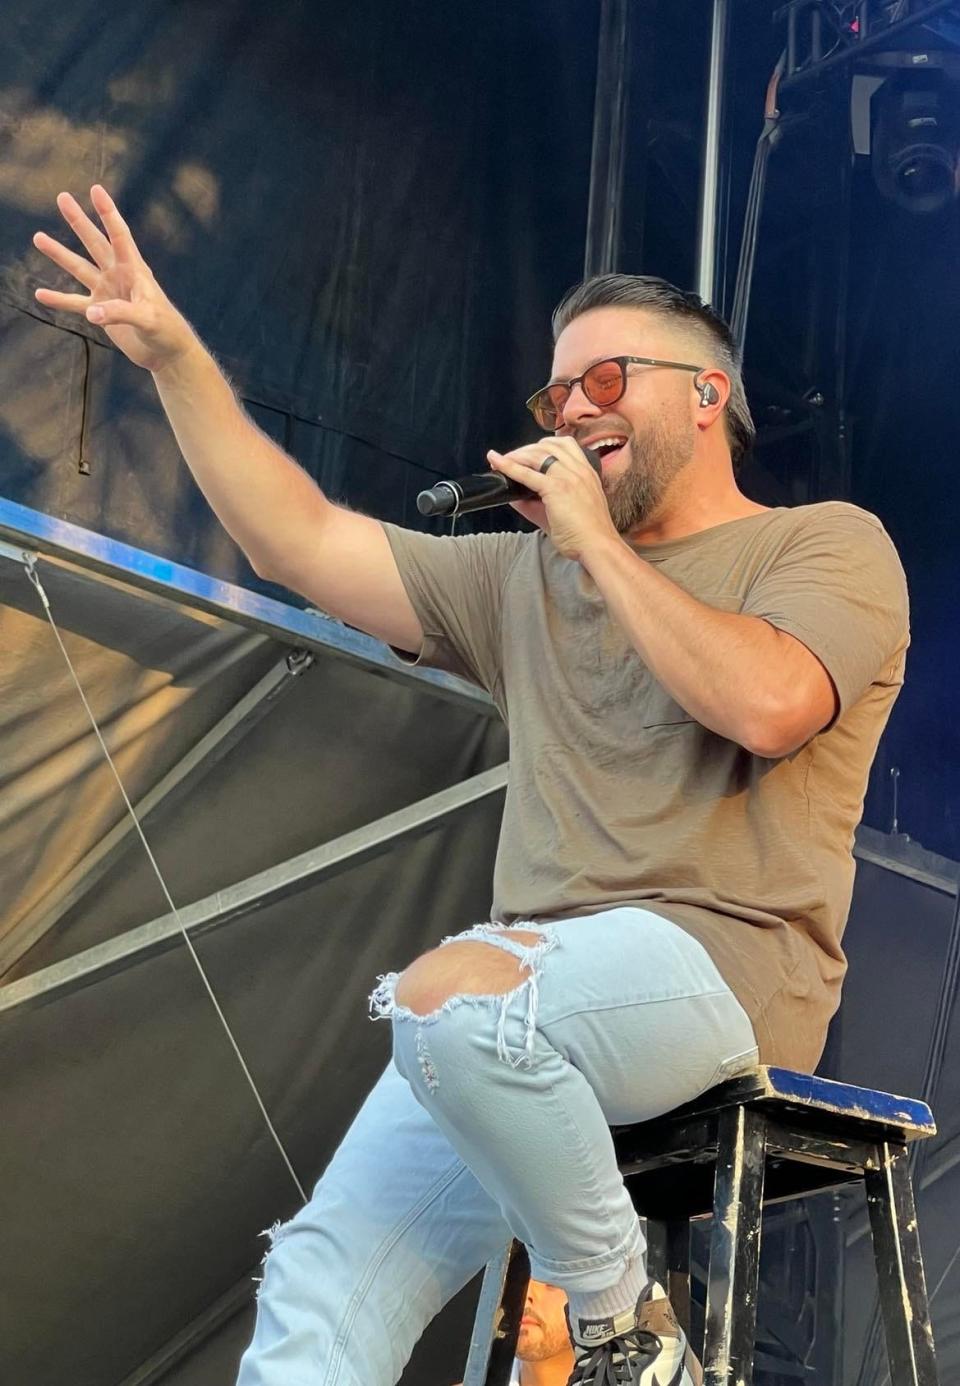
(482, 491)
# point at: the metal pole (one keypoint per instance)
(609, 139)
(242, 899)
(159, 1365)
(710, 181)
(179, 779)
(25, 532)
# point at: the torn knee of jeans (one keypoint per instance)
(460, 966)
(384, 1004)
(511, 939)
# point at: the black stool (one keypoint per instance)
(770, 1135)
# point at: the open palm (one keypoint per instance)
(122, 295)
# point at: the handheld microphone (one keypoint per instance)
(482, 491)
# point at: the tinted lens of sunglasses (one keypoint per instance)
(548, 405)
(604, 383)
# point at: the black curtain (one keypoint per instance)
(367, 211)
(851, 357)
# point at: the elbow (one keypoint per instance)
(768, 746)
(785, 717)
(271, 563)
(262, 567)
(774, 733)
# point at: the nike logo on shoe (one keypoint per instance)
(595, 1330)
(635, 1347)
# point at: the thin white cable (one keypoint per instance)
(950, 1265)
(33, 575)
(933, 1294)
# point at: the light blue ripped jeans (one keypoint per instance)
(493, 1120)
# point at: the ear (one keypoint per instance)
(713, 388)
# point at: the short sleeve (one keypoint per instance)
(456, 588)
(837, 584)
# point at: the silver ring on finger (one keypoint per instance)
(546, 464)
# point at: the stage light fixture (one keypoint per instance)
(916, 140)
(905, 117)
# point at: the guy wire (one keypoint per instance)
(33, 575)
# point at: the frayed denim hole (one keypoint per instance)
(382, 1000)
(524, 1057)
(274, 1235)
(384, 1005)
(499, 936)
(425, 1059)
(529, 956)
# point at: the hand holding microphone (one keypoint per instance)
(461, 495)
(557, 485)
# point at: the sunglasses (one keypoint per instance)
(603, 383)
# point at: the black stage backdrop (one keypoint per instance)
(367, 211)
(851, 356)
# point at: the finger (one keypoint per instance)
(569, 450)
(117, 312)
(121, 238)
(526, 473)
(65, 303)
(531, 455)
(74, 264)
(90, 236)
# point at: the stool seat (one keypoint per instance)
(765, 1137)
(809, 1091)
(819, 1134)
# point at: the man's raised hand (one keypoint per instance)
(122, 295)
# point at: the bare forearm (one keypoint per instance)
(737, 675)
(260, 495)
(726, 670)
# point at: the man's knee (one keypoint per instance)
(463, 968)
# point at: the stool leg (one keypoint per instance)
(903, 1291)
(496, 1324)
(657, 1250)
(668, 1260)
(735, 1248)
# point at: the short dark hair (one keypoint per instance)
(665, 300)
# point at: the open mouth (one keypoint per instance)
(609, 447)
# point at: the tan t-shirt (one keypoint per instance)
(617, 795)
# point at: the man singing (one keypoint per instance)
(695, 686)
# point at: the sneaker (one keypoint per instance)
(656, 1316)
(642, 1347)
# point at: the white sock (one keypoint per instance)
(612, 1303)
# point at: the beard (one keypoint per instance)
(543, 1342)
(655, 459)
